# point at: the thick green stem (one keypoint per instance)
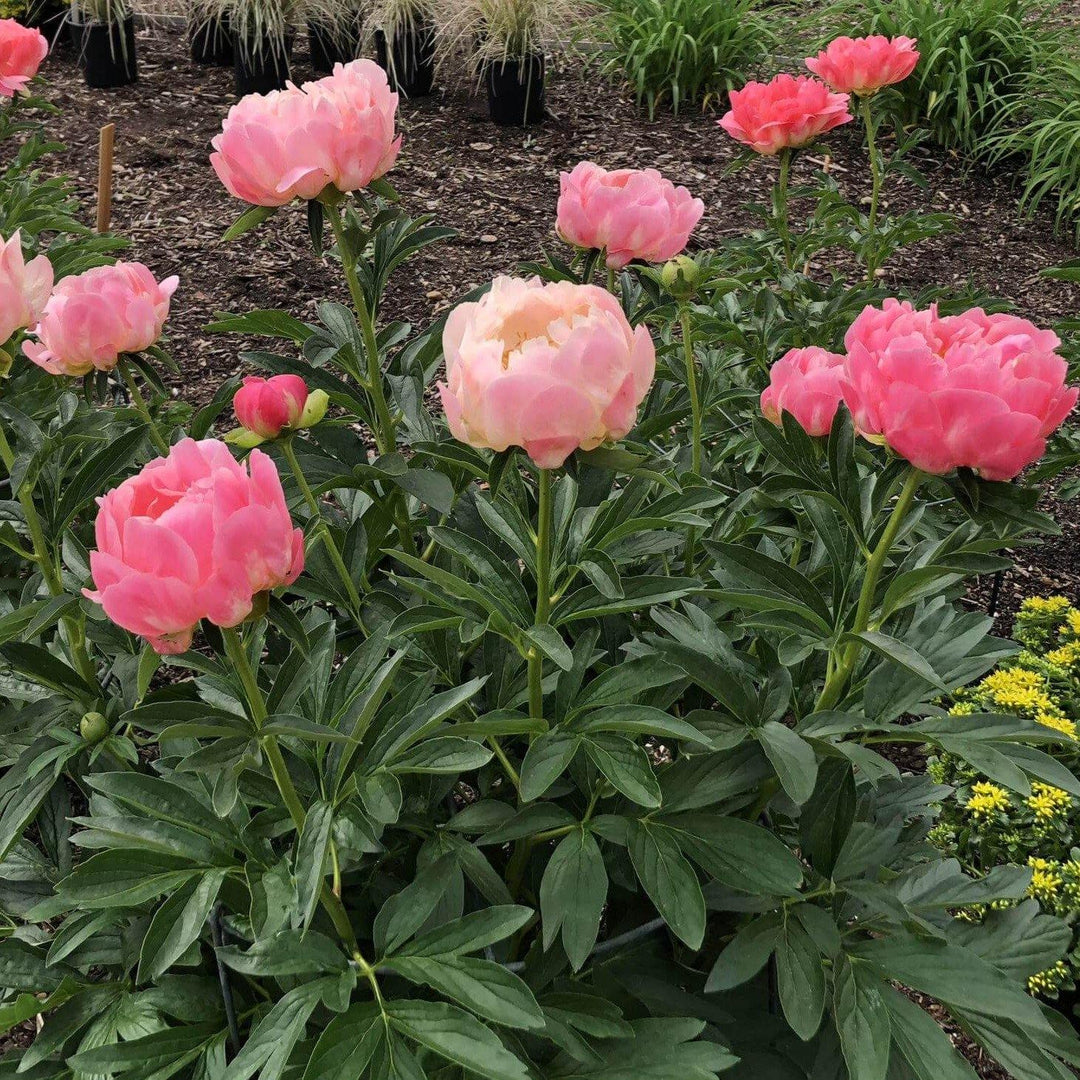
(695, 418)
(322, 529)
(385, 429)
(875, 190)
(234, 650)
(141, 407)
(543, 592)
(611, 287)
(835, 684)
(76, 634)
(780, 207)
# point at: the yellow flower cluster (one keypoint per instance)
(1015, 688)
(987, 800)
(1058, 723)
(1046, 879)
(1065, 655)
(1046, 802)
(1050, 980)
(1071, 626)
(1045, 605)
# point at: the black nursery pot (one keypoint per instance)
(263, 66)
(106, 52)
(515, 90)
(328, 48)
(213, 43)
(410, 60)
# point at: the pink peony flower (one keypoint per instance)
(630, 213)
(293, 143)
(787, 113)
(864, 65)
(24, 287)
(21, 51)
(267, 406)
(547, 367)
(975, 390)
(806, 384)
(92, 318)
(193, 536)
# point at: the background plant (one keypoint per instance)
(682, 52)
(976, 56)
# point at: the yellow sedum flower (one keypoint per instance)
(1058, 723)
(1071, 625)
(1046, 879)
(1045, 605)
(1017, 688)
(1046, 802)
(987, 800)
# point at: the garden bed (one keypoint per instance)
(498, 188)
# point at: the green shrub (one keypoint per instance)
(679, 52)
(1042, 125)
(975, 56)
(988, 827)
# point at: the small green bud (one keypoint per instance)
(680, 277)
(314, 409)
(93, 727)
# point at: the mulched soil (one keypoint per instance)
(498, 188)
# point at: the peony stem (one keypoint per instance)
(834, 685)
(876, 182)
(141, 407)
(543, 592)
(611, 279)
(385, 429)
(76, 633)
(237, 654)
(780, 206)
(322, 529)
(695, 418)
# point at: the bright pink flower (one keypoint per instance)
(547, 367)
(293, 143)
(864, 65)
(630, 213)
(193, 536)
(806, 384)
(94, 317)
(975, 390)
(267, 406)
(24, 287)
(789, 112)
(21, 51)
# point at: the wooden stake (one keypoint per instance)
(105, 169)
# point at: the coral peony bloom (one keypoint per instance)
(294, 143)
(786, 113)
(193, 536)
(94, 317)
(22, 49)
(352, 123)
(547, 367)
(806, 384)
(975, 390)
(629, 213)
(864, 65)
(24, 287)
(267, 406)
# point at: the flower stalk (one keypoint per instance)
(139, 402)
(543, 591)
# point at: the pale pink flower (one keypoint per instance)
(268, 406)
(549, 367)
(293, 143)
(806, 384)
(787, 113)
(24, 287)
(22, 49)
(864, 65)
(972, 390)
(92, 318)
(629, 213)
(195, 535)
